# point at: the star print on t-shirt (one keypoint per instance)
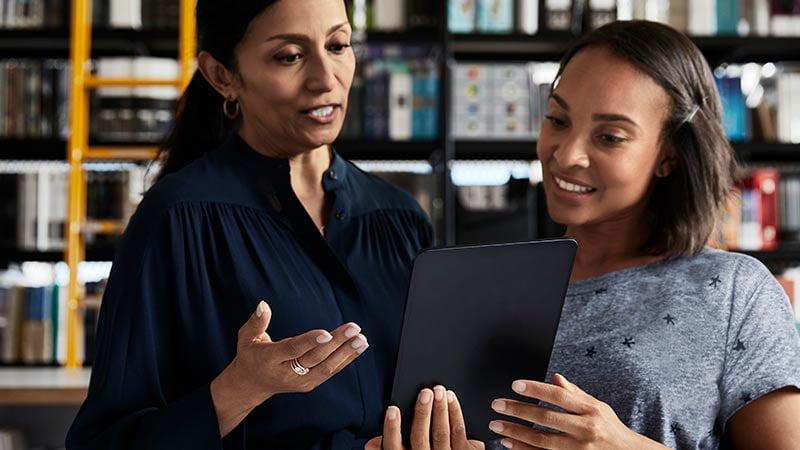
(715, 281)
(739, 345)
(629, 342)
(670, 320)
(590, 352)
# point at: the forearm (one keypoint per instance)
(233, 401)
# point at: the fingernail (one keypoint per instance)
(351, 331)
(324, 338)
(260, 308)
(391, 413)
(451, 396)
(518, 386)
(438, 393)
(359, 342)
(496, 426)
(362, 349)
(499, 405)
(425, 396)
(506, 443)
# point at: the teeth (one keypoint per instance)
(572, 187)
(322, 112)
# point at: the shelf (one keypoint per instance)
(392, 150)
(415, 36)
(54, 43)
(56, 149)
(509, 47)
(9, 255)
(767, 151)
(717, 49)
(526, 149)
(490, 149)
(43, 386)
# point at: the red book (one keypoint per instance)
(760, 204)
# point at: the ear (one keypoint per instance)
(667, 163)
(217, 75)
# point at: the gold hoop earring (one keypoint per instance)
(226, 109)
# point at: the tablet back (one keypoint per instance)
(477, 318)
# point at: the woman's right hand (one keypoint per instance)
(438, 424)
(263, 368)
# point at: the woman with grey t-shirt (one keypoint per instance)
(665, 342)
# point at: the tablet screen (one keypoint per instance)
(477, 318)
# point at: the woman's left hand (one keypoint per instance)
(585, 422)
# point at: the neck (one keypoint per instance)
(609, 247)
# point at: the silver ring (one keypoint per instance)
(298, 368)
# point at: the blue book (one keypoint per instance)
(735, 116)
(727, 17)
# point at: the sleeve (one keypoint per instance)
(763, 346)
(128, 404)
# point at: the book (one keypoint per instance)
(528, 16)
(461, 16)
(495, 16)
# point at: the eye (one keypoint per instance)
(611, 139)
(556, 122)
(289, 59)
(338, 48)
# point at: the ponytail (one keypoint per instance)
(199, 126)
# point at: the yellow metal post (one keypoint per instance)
(188, 37)
(78, 149)
(81, 34)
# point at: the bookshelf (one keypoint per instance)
(440, 152)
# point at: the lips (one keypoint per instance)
(573, 187)
(322, 111)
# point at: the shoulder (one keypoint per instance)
(740, 268)
(373, 194)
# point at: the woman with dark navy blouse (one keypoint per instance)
(256, 232)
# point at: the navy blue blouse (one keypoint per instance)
(205, 245)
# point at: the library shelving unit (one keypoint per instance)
(81, 41)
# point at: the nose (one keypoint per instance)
(571, 152)
(321, 75)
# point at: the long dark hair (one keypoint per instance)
(200, 125)
(685, 205)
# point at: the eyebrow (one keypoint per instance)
(605, 117)
(303, 37)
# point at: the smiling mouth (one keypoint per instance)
(570, 187)
(323, 111)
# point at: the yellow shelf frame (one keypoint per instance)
(78, 150)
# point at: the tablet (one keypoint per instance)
(476, 319)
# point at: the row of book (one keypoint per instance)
(760, 102)
(34, 204)
(695, 17)
(34, 98)
(395, 95)
(32, 14)
(136, 14)
(500, 101)
(33, 320)
(764, 213)
(134, 114)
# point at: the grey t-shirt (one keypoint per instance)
(678, 346)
